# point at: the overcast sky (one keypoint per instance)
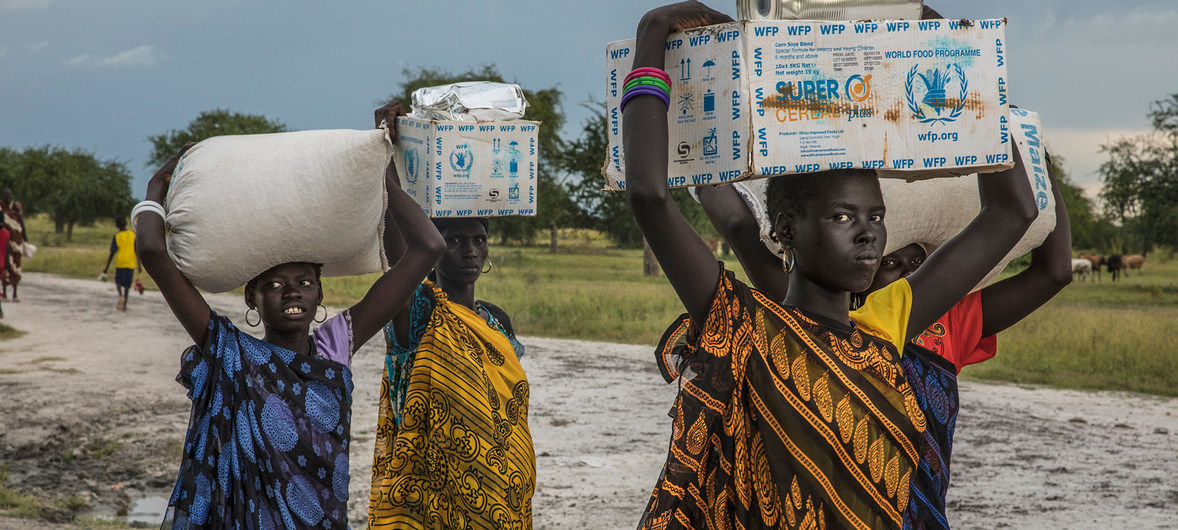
(104, 75)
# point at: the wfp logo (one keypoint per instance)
(412, 165)
(933, 85)
(461, 159)
(858, 88)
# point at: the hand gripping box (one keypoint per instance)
(469, 169)
(750, 99)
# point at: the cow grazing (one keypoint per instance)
(1082, 267)
(1115, 264)
(1096, 261)
(1135, 262)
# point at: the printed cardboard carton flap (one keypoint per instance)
(468, 169)
(751, 99)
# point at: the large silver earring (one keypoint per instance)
(787, 261)
(321, 320)
(247, 317)
(489, 266)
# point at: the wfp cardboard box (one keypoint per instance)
(750, 99)
(469, 169)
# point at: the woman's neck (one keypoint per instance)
(458, 293)
(297, 342)
(811, 297)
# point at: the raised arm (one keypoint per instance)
(689, 264)
(151, 246)
(1008, 209)
(736, 224)
(412, 250)
(1012, 299)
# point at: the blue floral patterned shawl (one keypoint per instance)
(267, 442)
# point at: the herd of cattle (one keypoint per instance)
(1089, 264)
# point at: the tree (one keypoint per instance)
(609, 211)
(210, 123)
(1141, 179)
(1090, 230)
(554, 207)
(74, 187)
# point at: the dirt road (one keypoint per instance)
(89, 409)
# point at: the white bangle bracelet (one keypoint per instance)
(146, 207)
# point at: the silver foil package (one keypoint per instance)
(470, 101)
(828, 9)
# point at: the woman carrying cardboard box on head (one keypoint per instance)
(267, 443)
(965, 335)
(453, 448)
(789, 412)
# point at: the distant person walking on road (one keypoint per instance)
(5, 235)
(122, 252)
(16, 241)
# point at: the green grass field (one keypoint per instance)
(1092, 336)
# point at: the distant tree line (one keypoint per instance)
(1141, 181)
(74, 187)
(1140, 197)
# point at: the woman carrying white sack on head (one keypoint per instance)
(267, 443)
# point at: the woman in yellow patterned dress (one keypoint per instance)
(790, 414)
(453, 449)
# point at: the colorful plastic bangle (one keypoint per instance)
(648, 70)
(645, 91)
(647, 81)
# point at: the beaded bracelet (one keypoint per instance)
(645, 91)
(648, 71)
(647, 81)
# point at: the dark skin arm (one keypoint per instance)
(685, 258)
(412, 245)
(1008, 209)
(109, 258)
(735, 222)
(394, 244)
(1012, 299)
(151, 246)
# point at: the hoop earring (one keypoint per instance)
(787, 261)
(317, 319)
(247, 317)
(489, 266)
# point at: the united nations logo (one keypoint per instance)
(935, 99)
(412, 165)
(461, 159)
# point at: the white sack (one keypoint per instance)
(930, 212)
(239, 205)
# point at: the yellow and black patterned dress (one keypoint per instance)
(785, 420)
(453, 449)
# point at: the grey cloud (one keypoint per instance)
(16, 5)
(140, 57)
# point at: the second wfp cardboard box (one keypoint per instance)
(469, 169)
(912, 99)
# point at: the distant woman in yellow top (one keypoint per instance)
(122, 252)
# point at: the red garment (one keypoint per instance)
(957, 336)
(4, 236)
